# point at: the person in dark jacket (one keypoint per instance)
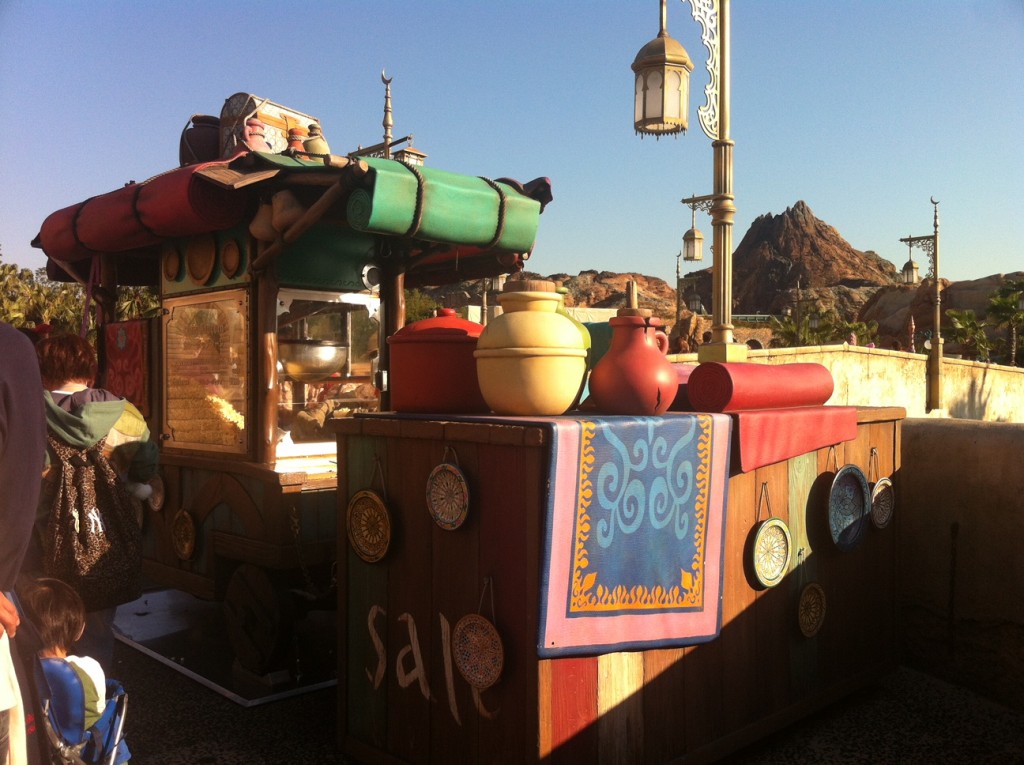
(22, 447)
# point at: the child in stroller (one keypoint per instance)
(83, 712)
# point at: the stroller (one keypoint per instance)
(63, 716)
(58, 701)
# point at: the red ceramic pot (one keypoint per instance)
(634, 377)
(433, 368)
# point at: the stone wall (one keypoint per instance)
(878, 377)
(959, 512)
(960, 520)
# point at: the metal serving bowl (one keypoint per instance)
(311, 361)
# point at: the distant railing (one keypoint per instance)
(749, 318)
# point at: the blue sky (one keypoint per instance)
(862, 108)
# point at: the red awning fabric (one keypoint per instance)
(133, 222)
(177, 203)
(766, 436)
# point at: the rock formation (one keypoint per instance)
(782, 259)
(780, 253)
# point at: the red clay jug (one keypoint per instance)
(634, 377)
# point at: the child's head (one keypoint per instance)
(56, 610)
(66, 358)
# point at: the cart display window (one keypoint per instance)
(206, 362)
(327, 344)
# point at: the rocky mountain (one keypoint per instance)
(593, 289)
(893, 307)
(604, 289)
(781, 254)
(781, 261)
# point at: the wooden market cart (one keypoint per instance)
(280, 273)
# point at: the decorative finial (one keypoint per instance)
(388, 123)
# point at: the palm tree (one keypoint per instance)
(970, 333)
(785, 333)
(1004, 309)
(136, 302)
(866, 332)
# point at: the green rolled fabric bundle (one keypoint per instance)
(360, 210)
(439, 206)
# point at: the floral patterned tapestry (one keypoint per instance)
(127, 349)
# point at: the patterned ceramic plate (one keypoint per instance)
(478, 652)
(369, 526)
(772, 550)
(849, 503)
(811, 611)
(883, 502)
(447, 496)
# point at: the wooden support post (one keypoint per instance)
(266, 363)
(393, 310)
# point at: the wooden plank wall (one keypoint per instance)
(697, 702)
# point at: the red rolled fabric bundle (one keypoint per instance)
(107, 223)
(57, 235)
(730, 386)
(179, 203)
(681, 403)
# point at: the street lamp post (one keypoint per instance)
(930, 244)
(661, 95)
(679, 291)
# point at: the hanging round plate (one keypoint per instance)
(200, 258)
(369, 526)
(478, 652)
(447, 496)
(771, 550)
(849, 503)
(230, 258)
(183, 535)
(883, 502)
(811, 611)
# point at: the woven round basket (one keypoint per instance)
(369, 526)
(447, 496)
(478, 652)
(883, 503)
(811, 611)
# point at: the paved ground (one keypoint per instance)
(909, 718)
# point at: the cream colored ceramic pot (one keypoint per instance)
(530, 359)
